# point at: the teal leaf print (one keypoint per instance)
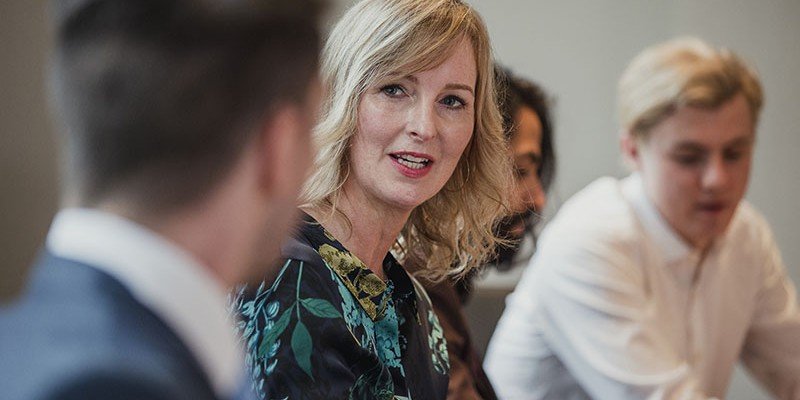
(376, 383)
(321, 308)
(438, 345)
(272, 335)
(301, 346)
(272, 309)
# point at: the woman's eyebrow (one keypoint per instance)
(451, 86)
(460, 86)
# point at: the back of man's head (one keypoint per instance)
(159, 97)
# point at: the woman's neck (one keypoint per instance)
(372, 230)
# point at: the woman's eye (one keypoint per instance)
(453, 102)
(393, 90)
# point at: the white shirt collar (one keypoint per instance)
(674, 248)
(161, 276)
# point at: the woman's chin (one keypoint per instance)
(409, 198)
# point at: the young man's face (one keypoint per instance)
(695, 166)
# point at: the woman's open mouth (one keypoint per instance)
(411, 161)
(412, 165)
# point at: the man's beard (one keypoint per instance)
(504, 254)
(506, 229)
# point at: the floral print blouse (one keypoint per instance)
(329, 328)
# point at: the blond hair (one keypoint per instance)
(684, 72)
(381, 39)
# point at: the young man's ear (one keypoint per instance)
(629, 146)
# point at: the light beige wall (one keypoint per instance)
(27, 150)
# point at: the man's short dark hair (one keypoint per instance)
(159, 97)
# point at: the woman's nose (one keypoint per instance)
(421, 121)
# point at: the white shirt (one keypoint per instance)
(615, 306)
(163, 277)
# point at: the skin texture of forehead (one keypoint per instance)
(527, 135)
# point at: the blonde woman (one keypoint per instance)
(412, 159)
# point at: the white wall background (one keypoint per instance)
(574, 48)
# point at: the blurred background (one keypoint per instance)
(575, 49)
(28, 165)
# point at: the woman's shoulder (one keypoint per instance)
(302, 277)
(297, 330)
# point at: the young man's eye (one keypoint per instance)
(453, 102)
(687, 159)
(733, 155)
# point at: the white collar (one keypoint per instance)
(675, 249)
(162, 276)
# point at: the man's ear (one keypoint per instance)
(629, 147)
(284, 149)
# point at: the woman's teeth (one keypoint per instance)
(412, 162)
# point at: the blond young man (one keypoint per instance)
(654, 286)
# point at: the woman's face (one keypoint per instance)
(412, 132)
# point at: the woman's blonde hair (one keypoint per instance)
(378, 40)
(684, 72)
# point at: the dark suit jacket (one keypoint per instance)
(77, 333)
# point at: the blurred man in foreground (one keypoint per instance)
(187, 133)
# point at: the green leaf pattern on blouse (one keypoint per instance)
(289, 327)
